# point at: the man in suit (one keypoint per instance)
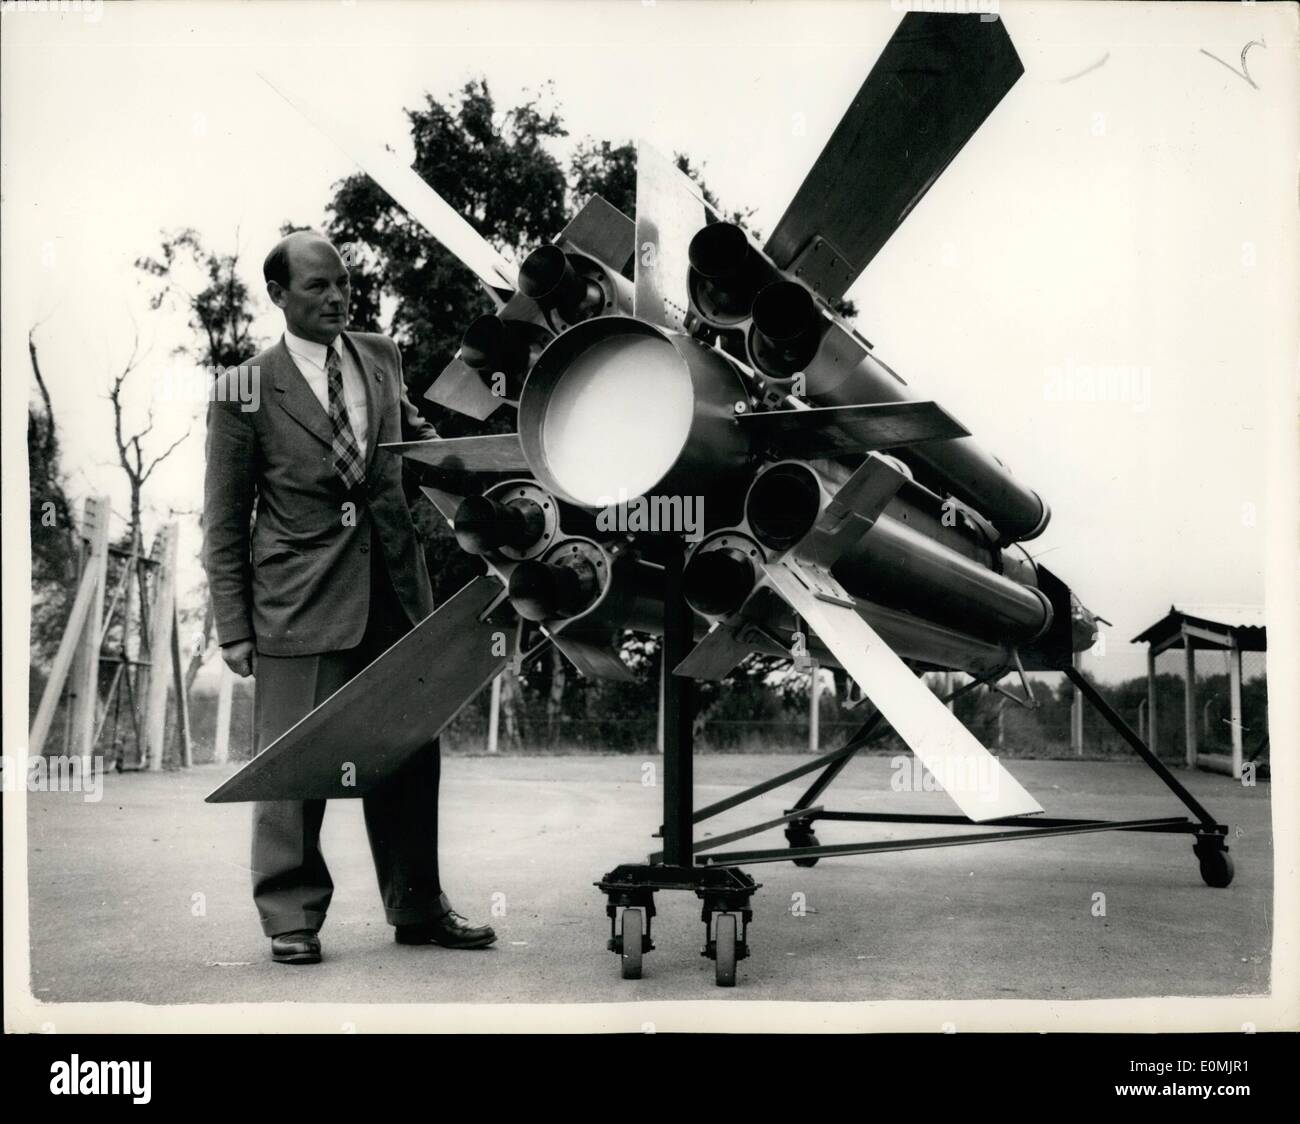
(326, 577)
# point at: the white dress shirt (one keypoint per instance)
(310, 359)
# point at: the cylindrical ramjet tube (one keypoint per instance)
(716, 585)
(725, 273)
(906, 569)
(896, 565)
(545, 590)
(482, 525)
(786, 329)
(548, 277)
(844, 373)
(783, 504)
(717, 582)
(491, 344)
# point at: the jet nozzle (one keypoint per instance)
(787, 329)
(783, 504)
(482, 525)
(548, 277)
(725, 273)
(543, 591)
(491, 344)
(717, 582)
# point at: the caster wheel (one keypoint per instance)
(725, 943)
(809, 840)
(631, 935)
(1216, 866)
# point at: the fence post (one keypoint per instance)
(659, 720)
(1234, 689)
(160, 647)
(494, 715)
(1189, 696)
(178, 685)
(1076, 715)
(225, 699)
(1151, 701)
(814, 712)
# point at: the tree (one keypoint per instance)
(605, 170)
(220, 309)
(54, 562)
(138, 466)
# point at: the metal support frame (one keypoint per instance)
(633, 885)
(735, 858)
(678, 698)
(1139, 747)
(685, 864)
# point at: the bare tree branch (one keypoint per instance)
(164, 455)
(49, 440)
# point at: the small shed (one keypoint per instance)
(1233, 629)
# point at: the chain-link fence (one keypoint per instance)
(1211, 703)
(1002, 725)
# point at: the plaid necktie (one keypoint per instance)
(347, 457)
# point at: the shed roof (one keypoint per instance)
(1215, 625)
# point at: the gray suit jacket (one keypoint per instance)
(296, 580)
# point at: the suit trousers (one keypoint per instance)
(291, 883)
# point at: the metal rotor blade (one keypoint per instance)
(492, 452)
(601, 231)
(669, 210)
(934, 84)
(822, 431)
(461, 388)
(972, 776)
(447, 503)
(714, 657)
(362, 733)
(594, 657)
(417, 199)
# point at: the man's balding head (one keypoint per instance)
(307, 280)
(277, 266)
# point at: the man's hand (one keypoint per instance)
(241, 658)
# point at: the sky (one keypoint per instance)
(1130, 205)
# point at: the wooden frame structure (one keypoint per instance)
(145, 678)
(1227, 628)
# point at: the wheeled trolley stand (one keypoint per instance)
(725, 890)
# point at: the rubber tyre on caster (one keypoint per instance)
(631, 935)
(725, 938)
(809, 840)
(1217, 869)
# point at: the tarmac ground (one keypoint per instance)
(144, 895)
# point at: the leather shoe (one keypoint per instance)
(451, 930)
(302, 946)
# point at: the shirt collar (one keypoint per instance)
(309, 349)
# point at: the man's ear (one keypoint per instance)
(276, 292)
